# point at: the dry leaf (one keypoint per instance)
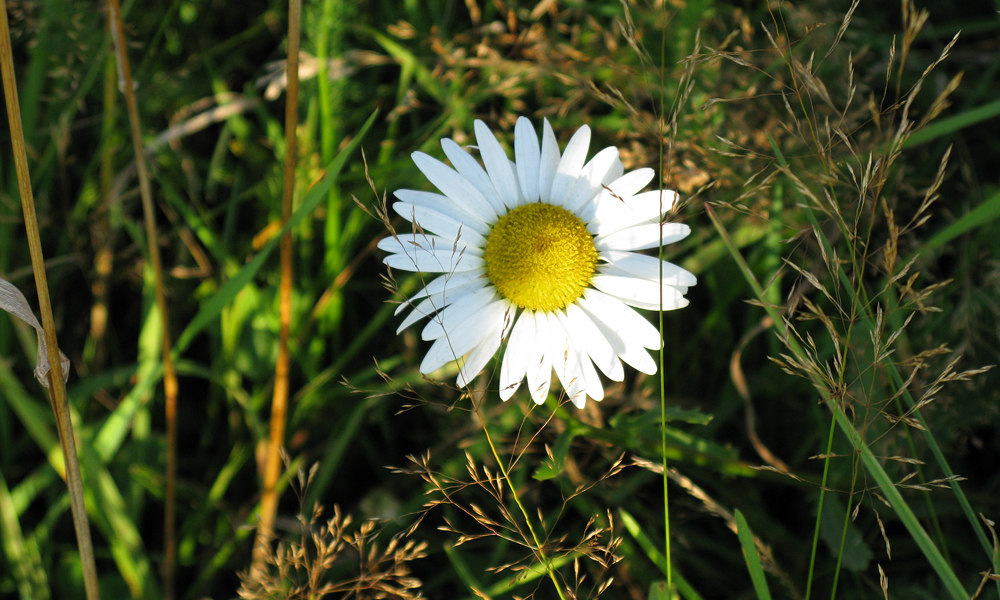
(14, 302)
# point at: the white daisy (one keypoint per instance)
(540, 252)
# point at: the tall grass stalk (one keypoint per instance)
(662, 133)
(56, 385)
(170, 387)
(279, 399)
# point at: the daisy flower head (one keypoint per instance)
(543, 252)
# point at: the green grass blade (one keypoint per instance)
(867, 320)
(751, 558)
(948, 126)
(634, 529)
(984, 213)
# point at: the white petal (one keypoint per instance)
(444, 204)
(497, 165)
(548, 162)
(631, 183)
(661, 201)
(463, 337)
(515, 357)
(438, 223)
(432, 254)
(569, 166)
(565, 362)
(589, 378)
(628, 350)
(539, 365)
(452, 184)
(438, 301)
(481, 354)
(527, 156)
(641, 293)
(613, 195)
(442, 285)
(602, 169)
(641, 237)
(595, 389)
(646, 267)
(630, 325)
(586, 335)
(640, 360)
(426, 307)
(615, 212)
(470, 168)
(457, 312)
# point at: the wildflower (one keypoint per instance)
(540, 252)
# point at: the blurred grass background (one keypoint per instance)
(729, 82)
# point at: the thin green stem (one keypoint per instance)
(517, 500)
(819, 509)
(840, 548)
(666, 488)
(667, 558)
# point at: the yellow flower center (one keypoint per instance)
(540, 256)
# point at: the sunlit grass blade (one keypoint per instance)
(507, 585)
(123, 535)
(751, 557)
(21, 553)
(948, 126)
(683, 587)
(113, 519)
(981, 215)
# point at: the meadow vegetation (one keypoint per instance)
(831, 411)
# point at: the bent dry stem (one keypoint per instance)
(170, 385)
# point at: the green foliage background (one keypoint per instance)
(715, 95)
